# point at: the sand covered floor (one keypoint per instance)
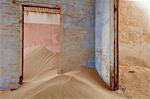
(135, 82)
(41, 80)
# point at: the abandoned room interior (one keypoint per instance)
(74, 49)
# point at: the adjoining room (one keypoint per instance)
(41, 39)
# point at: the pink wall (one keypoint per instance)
(36, 34)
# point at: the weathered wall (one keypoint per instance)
(10, 44)
(47, 35)
(104, 39)
(77, 36)
(134, 32)
(42, 30)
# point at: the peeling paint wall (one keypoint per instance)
(77, 36)
(10, 44)
(134, 33)
(42, 29)
(104, 40)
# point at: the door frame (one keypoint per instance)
(115, 75)
(38, 6)
(114, 70)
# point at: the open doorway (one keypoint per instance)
(41, 40)
(134, 47)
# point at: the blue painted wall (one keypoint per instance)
(77, 36)
(103, 39)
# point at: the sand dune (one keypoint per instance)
(37, 61)
(42, 81)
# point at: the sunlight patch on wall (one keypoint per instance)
(145, 6)
(42, 18)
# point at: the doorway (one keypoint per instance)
(41, 39)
